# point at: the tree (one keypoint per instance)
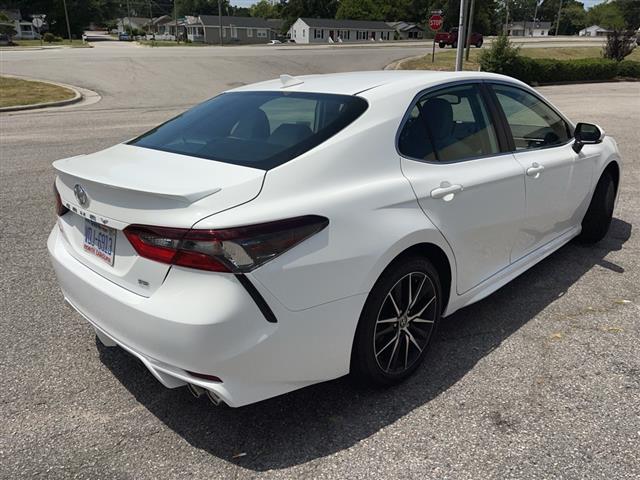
(606, 15)
(263, 9)
(294, 9)
(6, 28)
(362, 10)
(619, 44)
(630, 10)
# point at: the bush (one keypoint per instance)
(629, 68)
(619, 44)
(548, 70)
(50, 38)
(501, 57)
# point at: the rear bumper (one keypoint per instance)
(208, 323)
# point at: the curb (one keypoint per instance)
(69, 101)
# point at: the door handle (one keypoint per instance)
(535, 169)
(446, 189)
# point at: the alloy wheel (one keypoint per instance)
(405, 323)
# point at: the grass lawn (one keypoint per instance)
(36, 43)
(14, 91)
(445, 59)
(169, 43)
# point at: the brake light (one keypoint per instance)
(60, 208)
(236, 250)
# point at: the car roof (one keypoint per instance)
(352, 83)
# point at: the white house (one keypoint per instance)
(137, 23)
(528, 29)
(593, 31)
(328, 30)
(407, 30)
(24, 29)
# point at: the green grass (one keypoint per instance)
(445, 59)
(169, 43)
(15, 91)
(37, 43)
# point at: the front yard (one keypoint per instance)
(15, 91)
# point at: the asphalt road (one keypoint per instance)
(540, 380)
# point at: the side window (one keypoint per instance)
(449, 125)
(533, 123)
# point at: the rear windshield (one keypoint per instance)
(255, 129)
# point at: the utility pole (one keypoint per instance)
(220, 19)
(175, 17)
(558, 21)
(66, 16)
(469, 30)
(505, 29)
(461, 37)
(129, 17)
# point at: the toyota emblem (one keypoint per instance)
(81, 195)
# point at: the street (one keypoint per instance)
(539, 380)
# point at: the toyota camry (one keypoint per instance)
(296, 230)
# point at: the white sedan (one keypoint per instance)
(296, 230)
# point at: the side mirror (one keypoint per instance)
(587, 134)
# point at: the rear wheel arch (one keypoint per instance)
(437, 257)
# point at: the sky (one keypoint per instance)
(248, 3)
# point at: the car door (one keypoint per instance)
(557, 180)
(454, 157)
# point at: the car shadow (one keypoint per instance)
(323, 419)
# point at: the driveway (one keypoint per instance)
(540, 380)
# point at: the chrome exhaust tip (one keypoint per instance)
(195, 390)
(215, 399)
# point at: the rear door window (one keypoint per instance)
(449, 125)
(255, 129)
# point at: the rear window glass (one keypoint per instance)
(255, 129)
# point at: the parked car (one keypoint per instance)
(274, 42)
(124, 36)
(296, 230)
(451, 38)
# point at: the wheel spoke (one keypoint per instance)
(385, 331)
(387, 345)
(421, 320)
(393, 352)
(415, 299)
(417, 315)
(406, 351)
(410, 297)
(393, 302)
(388, 320)
(413, 340)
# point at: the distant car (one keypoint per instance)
(123, 36)
(295, 230)
(274, 42)
(451, 38)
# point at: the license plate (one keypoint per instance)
(100, 241)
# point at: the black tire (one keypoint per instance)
(597, 220)
(371, 361)
(479, 44)
(442, 45)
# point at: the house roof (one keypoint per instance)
(137, 20)
(595, 27)
(162, 20)
(346, 24)
(250, 22)
(404, 26)
(546, 25)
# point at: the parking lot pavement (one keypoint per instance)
(540, 380)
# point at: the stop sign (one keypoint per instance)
(435, 22)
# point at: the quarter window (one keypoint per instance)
(533, 123)
(449, 125)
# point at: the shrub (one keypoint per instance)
(619, 44)
(501, 57)
(629, 68)
(50, 38)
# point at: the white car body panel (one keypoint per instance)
(378, 203)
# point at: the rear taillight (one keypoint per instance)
(237, 250)
(60, 208)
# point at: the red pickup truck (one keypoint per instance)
(451, 38)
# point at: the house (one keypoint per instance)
(528, 29)
(243, 30)
(326, 30)
(137, 23)
(593, 31)
(24, 29)
(406, 30)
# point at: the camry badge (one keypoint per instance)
(81, 195)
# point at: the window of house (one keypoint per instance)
(261, 33)
(533, 123)
(249, 32)
(449, 125)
